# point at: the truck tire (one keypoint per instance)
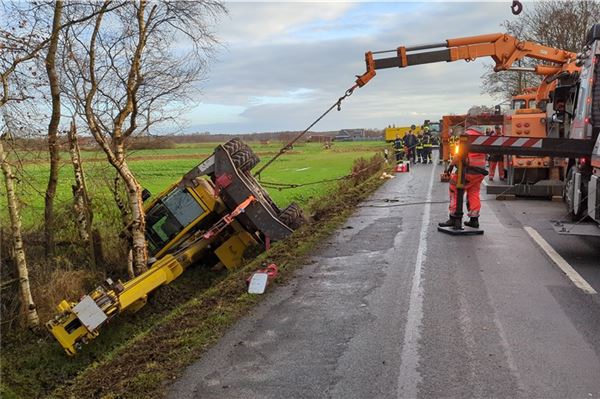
(569, 196)
(245, 159)
(292, 216)
(234, 145)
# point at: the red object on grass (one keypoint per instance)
(271, 271)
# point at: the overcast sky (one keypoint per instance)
(284, 63)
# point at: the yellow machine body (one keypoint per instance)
(78, 323)
(216, 207)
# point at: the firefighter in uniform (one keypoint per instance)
(427, 146)
(398, 149)
(475, 172)
(420, 148)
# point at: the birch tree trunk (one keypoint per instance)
(137, 226)
(52, 132)
(28, 306)
(125, 212)
(81, 205)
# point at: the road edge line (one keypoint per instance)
(408, 374)
(559, 261)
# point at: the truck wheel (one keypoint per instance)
(292, 216)
(569, 196)
(245, 159)
(234, 145)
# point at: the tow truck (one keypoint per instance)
(217, 208)
(573, 112)
(574, 126)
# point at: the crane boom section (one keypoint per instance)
(504, 49)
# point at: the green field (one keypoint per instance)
(36, 353)
(156, 169)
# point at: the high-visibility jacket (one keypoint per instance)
(476, 159)
(427, 142)
(419, 143)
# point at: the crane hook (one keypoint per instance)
(516, 7)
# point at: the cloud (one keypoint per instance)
(286, 63)
(255, 23)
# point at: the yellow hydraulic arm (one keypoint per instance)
(78, 323)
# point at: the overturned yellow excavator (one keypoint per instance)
(216, 208)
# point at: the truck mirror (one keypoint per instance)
(146, 194)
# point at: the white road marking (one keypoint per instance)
(409, 377)
(301, 169)
(560, 261)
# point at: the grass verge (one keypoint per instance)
(154, 350)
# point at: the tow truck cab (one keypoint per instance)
(576, 108)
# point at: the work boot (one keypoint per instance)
(473, 222)
(450, 222)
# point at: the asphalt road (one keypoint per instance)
(390, 308)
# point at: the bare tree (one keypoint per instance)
(27, 303)
(53, 147)
(130, 76)
(22, 39)
(81, 200)
(559, 24)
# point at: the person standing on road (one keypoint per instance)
(475, 172)
(427, 146)
(420, 148)
(398, 149)
(410, 142)
(496, 160)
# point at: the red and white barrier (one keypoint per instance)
(496, 141)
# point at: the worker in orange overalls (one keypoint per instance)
(496, 160)
(475, 172)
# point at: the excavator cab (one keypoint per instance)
(169, 216)
(176, 213)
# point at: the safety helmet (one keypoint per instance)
(413, 127)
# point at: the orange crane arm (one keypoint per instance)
(504, 49)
